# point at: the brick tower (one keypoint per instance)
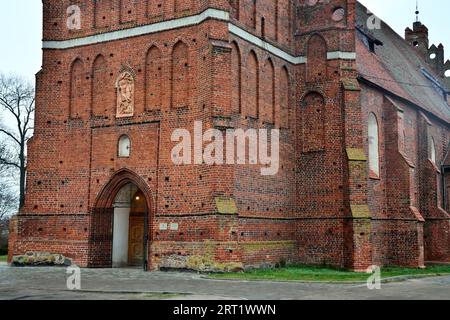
(119, 77)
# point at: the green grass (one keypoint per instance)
(325, 274)
(3, 258)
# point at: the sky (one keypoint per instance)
(399, 14)
(21, 28)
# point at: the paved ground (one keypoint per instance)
(105, 284)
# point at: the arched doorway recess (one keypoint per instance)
(120, 223)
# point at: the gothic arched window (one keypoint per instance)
(100, 87)
(284, 98)
(251, 99)
(268, 85)
(77, 90)
(374, 147)
(180, 75)
(236, 78)
(316, 66)
(432, 150)
(153, 79)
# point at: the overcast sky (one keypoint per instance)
(21, 34)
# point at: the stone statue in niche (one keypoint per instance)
(125, 95)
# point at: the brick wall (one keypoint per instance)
(323, 206)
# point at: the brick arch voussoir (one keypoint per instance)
(313, 90)
(106, 197)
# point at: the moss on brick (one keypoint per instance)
(267, 245)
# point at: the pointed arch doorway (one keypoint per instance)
(120, 223)
(128, 227)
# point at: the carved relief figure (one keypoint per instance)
(125, 95)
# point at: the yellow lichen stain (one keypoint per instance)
(269, 245)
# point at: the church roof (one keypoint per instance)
(397, 67)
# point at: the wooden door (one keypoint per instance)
(136, 242)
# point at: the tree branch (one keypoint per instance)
(18, 98)
(8, 163)
(10, 135)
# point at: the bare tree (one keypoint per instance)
(4, 234)
(8, 198)
(7, 160)
(17, 99)
(7, 202)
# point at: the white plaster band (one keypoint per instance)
(186, 22)
(139, 31)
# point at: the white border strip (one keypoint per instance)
(139, 31)
(185, 22)
(264, 45)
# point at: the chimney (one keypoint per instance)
(418, 38)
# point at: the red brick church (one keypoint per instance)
(364, 116)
